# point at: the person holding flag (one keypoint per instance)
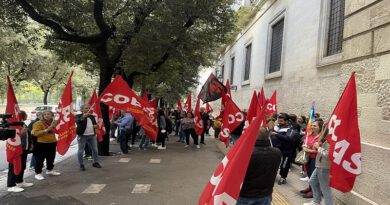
(86, 134)
(15, 182)
(319, 180)
(46, 145)
(260, 176)
(309, 149)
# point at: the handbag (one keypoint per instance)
(302, 157)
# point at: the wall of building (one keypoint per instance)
(304, 78)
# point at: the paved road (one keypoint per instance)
(178, 179)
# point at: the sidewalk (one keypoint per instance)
(176, 176)
(287, 193)
(179, 178)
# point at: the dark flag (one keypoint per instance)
(211, 90)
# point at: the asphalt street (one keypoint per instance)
(173, 176)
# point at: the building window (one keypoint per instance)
(231, 71)
(248, 53)
(335, 29)
(276, 46)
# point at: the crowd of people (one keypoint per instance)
(275, 149)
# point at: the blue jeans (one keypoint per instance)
(123, 139)
(254, 201)
(91, 140)
(319, 182)
(145, 140)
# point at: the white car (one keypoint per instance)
(42, 108)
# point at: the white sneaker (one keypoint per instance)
(198, 146)
(15, 189)
(305, 179)
(311, 203)
(39, 177)
(24, 184)
(160, 147)
(186, 146)
(53, 172)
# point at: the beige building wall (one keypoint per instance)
(306, 76)
(366, 50)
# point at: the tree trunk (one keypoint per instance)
(45, 94)
(105, 75)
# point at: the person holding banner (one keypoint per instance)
(319, 180)
(86, 134)
(46, 145)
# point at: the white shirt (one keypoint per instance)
(89, 130)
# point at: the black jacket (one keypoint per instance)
(82, 123)
(263, 166)
(285, 139)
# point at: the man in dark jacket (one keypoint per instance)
(206, 123)
(260, 176)
(283, 138)
(86, 134)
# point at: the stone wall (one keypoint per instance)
(367, 52)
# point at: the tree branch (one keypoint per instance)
(62, 34)
(189, 23)
(140, 14)
(98, 14)
(121, 10)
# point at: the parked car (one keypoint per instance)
(42, 108)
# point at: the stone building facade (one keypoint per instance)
(306, 50)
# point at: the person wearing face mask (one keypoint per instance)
(46, 145)
(282, 138)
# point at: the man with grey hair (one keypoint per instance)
(86, 133)
(261, 173)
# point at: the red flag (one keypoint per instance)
(14, 145)
(232, 117)
(153, 103)
(227, 93)
(271, 108)
(179, 105)
(208, 108)
(344, 140)
(65, 125)
(262, 99)
(187, 105)
(119, 95)
(225, 184)
(253, 108)
(198, 119)
(97, 113)
(145, 96)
